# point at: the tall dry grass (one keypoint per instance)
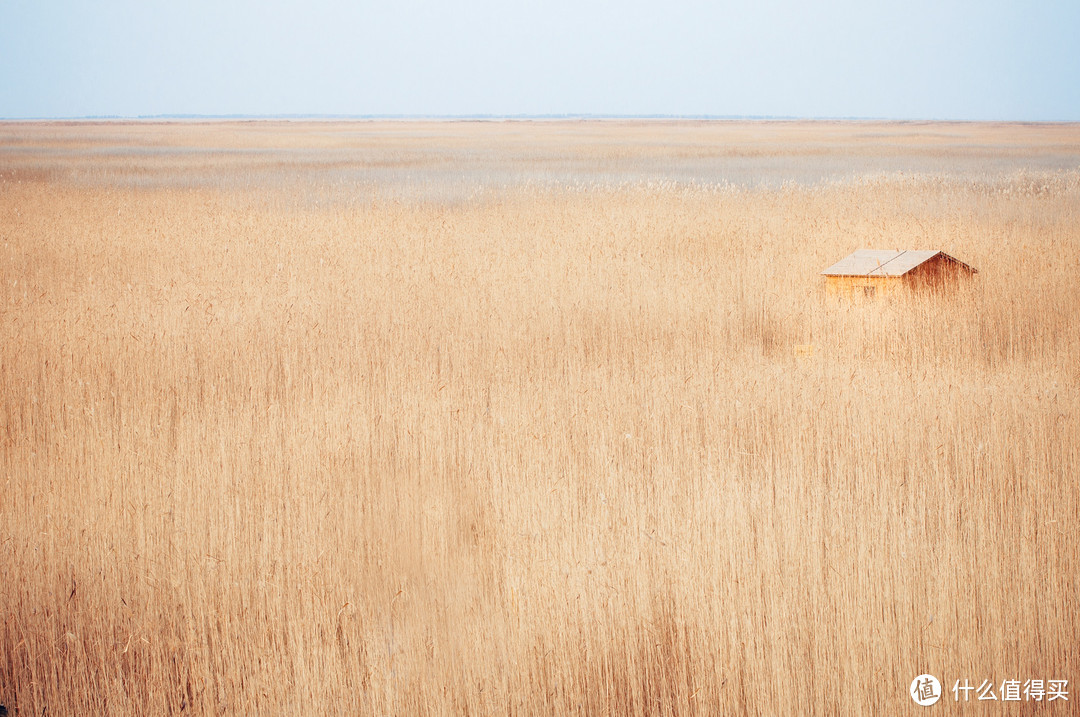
(285, 444)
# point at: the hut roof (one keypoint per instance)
(887, 262)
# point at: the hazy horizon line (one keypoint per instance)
(317, 116)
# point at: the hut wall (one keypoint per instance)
(937, 274)
(856, 286)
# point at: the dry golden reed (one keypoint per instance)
(520, 418)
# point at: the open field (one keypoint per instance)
(508, 418)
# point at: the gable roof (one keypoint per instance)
(887, 262)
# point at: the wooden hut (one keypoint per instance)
(874, 272)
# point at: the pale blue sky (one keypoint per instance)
(918, 59)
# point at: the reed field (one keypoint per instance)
(441, 418)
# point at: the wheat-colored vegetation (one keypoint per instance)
(519, 418)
